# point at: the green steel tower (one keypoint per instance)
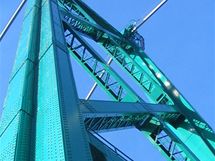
(43, 118)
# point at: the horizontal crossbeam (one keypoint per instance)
(110, 115)
(92, 109)
(124, 108)
(145, 73)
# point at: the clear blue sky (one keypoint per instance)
(180, 39)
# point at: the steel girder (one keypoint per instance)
(138, 65)
(109, 115)
(54, 134)
(96, 67)
(93, 30)
(106, 115)
(109, 151)
(129, 114)
(71, 37)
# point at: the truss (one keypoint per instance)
(78, 17)
(42, 108)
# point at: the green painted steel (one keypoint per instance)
(41, 118)
(139, 66)
(95, 65)
(42, 99)
(17, 117)
(59, 126)
(157, 123)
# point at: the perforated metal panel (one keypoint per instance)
(45, 32)
(16, 120)
(49, 139)
(8, 141)
(28, 38)
(18, 98)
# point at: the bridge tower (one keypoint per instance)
(43, 118)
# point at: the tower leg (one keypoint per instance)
(16, 126)
(60, 131)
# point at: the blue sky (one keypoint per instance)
(180, 39)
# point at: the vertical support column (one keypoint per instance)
(60, 131)
(18, 110)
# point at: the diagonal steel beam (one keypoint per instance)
(96, 84)
(100, 145)
(147, 77)
(161, 84)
